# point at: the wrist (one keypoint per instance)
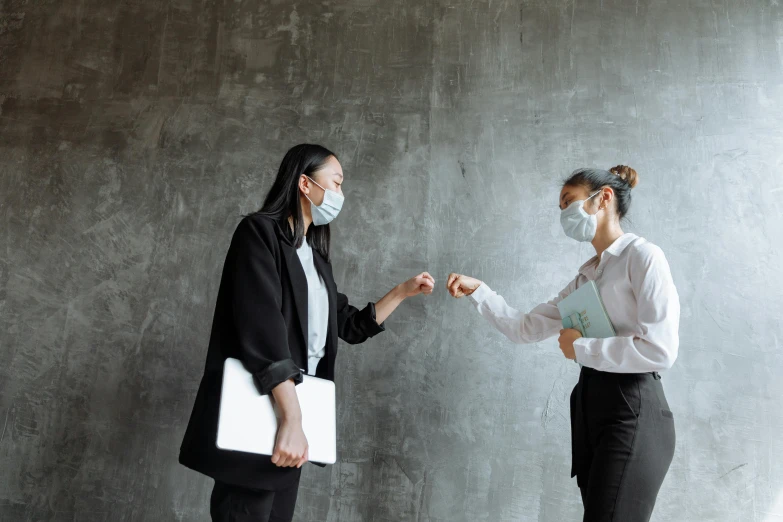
(291, 417)
(399, 292)
(480, 294)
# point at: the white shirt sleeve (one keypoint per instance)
(658, 311)
(540, 323)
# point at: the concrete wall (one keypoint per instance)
(133, 135)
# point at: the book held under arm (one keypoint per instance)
(583, 310)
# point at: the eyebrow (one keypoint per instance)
(340, 174)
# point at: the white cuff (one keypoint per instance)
(582, 350)
(480, 294)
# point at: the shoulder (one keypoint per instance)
(642, 250)
(257, 227)
(646, 257)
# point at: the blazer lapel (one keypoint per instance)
(299, 285)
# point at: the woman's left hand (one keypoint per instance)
(421, 284)
(566, 340)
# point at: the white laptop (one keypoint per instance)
(248, 420)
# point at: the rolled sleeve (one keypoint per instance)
(276, 373)
(370, 323)
(356, 326)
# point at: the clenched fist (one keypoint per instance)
(566, 341)
(461, 285)
(421, 284)
(291, 448)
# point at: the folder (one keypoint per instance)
(583, 310)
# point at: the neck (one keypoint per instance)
(607, 233)
(307, 217)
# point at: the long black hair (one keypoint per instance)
(621, 178)
(283, 200)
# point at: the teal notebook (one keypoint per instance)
(583, 310)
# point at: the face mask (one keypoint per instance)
(330, 206)
(578, 224)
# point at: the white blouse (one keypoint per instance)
(317, 309)
(637, 289)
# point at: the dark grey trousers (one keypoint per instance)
(236, 504)
(622, 440)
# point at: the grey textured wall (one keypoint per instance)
(133, 134)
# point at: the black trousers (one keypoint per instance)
(622, 441)
(236, 504)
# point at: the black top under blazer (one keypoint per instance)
(261, 319)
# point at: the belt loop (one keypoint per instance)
(656, 376)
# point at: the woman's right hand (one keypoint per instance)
(291, 449)
(461, 285)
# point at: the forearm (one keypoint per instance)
(388, 303)
(287, 401)
(625, 354)
(519, 327)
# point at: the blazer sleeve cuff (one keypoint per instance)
(370, 325)
(276, 373)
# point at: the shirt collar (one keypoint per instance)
(615, 249)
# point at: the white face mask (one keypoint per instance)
(577, 223)
(329, 208)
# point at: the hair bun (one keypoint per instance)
(626, 173)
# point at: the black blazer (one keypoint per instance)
(261, 319)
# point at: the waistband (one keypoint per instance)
(592, 372)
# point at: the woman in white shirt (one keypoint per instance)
(622, 428)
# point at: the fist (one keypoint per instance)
(291, 447)
(566, 341)
(421, 284)
(461, 285)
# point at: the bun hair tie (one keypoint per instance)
(626, 173)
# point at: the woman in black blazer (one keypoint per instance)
(261, 318)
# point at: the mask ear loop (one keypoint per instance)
(601, 207)
(316, 183)
(311, 179)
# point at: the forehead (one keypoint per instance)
(332, 166)
(572, 190)
(571, 193)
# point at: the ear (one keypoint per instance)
(304, 184)
(606, 197)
